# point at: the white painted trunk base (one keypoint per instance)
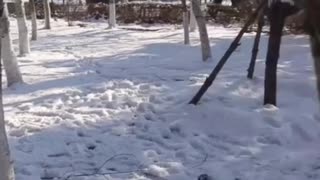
(112, 14)
(24, 44)
(47, 14)
(186, 28)
(204, 38)
(34, 34)
(193, 22)
(6, 164)
(8, 56)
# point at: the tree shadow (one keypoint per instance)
(119, 105)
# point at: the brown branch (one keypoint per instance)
(208, 82)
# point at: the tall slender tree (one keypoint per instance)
(8, 56)
(6, 164)
(112, 14)
(193, 22)
(313, 28)
(277, 14)
(185, 22)
(47, 14)
(24, 43)
(204, 38)
(33, 20)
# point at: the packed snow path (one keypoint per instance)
(93, 93)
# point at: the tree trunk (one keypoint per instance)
(47, 14)
(313, 29)
(33, 20)
(255, 48)
(277, 17)
(208, 82)
(185, 22)
(24, 44)
(204, 38)
(112, 14)
(68, 13)
(193, 22)
(6, 164)
(8, 56)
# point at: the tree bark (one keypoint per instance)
(185, 22)
(47, 14)
(33, 12)
(6, 164)
(255, 48)
(277, 17)
(8, 56)
(208, 82)
(68, 13)
(204, 38)
(112, 14)
(313, 29)
(24, 44)
(193, 22)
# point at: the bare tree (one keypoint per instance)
(47, 14)
(277, 14)
(204, 38)
(8, 55)
(6, 164)
(112, 14)
(233, 46)
(33, 20)
(185, 22)
(24, 44)
(313, 28)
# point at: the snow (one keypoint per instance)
(115, 100)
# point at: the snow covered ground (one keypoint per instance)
(115, 101)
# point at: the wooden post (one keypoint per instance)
(255, 48)
(223, 60)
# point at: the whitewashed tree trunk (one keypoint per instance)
(47, 14)
(204, 38)
(68, 13)
(6, 164)
(185, 22)
(112, 14)
(186, 28)
(33, 20)
(193, 22)
(8, 56)
(24, 43)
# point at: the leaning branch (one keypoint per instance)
(223, 60)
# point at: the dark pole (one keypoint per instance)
(223, 60)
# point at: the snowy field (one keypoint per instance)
(114, 102)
